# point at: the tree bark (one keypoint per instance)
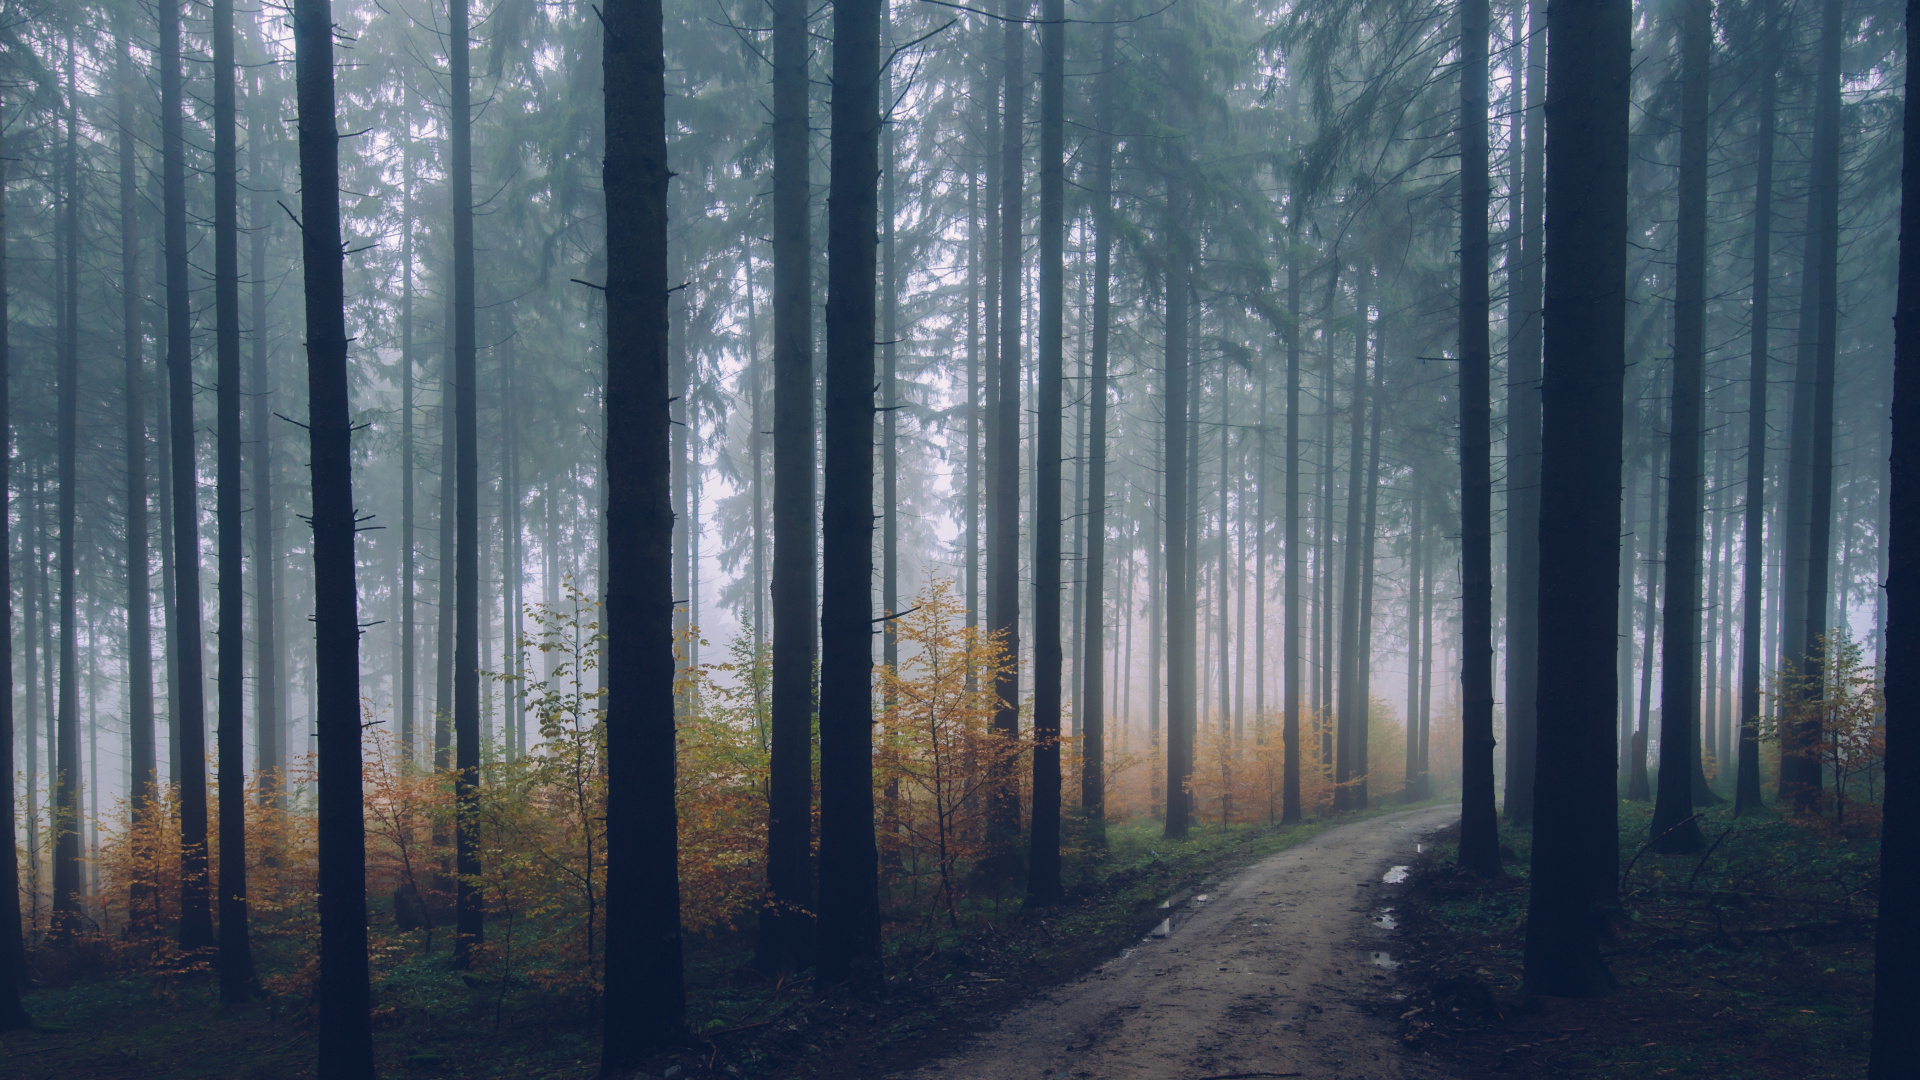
(1290, 573)
(346, 1031)
(269, 723)
(1352, 711)
(645, 999)
(236, 960)
(1043, 866)
(849, 926)
(1576, 842)
(196, 916)
(1479, 829)
(1093, 701)
(1754, 569)
(65, 815)
(469, 905)
(13, 965)
(1182, 698)
(408, 698)
(786, 925)
(1523, 436)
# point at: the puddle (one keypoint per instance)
(1419, 849)
(1165, 928)
(1385, 960)
(1385, 920)
(1202, 898)
(1395, 876)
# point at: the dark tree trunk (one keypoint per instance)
(469, 906)
(1523, 436)
(66, 815)
(1290, 574)
(444, 635)
(408, 698)
(1825, 199)
(1896, 989)
(1576, 844)
(1416, 571)
(1182, 696)
(189, 719)
(268, 721)
(1639, 788)
(645, 1000)
(1351, 710)
(1674, 827)
(143, 904)
(346, 1031)
(1368, 534)
(1093, 701)
(1753, 573)
(1003, 557)
(1043, 871)
(1479, 829)
(13, 967)
(849, 926)
(786, 924)
(236, 961)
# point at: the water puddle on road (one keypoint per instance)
(1395, 876)
(1165, 928)
(1385, 960)
(1385, 919)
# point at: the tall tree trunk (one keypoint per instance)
(144, 903)
(1675, 829)
(1523, 433)
(1479, 830)
(645, 1000)
(1352, 711)
(346, 1030)
(408, 698)
(196, 917)
(1623, 662)
(1294, 553)
(13, 963)
(1825, 200)
(1093, 701)
(1416, 568)
(1043, 871)
(1182, 696)
(65, 788)
(1896, 990)
(1576, 839)
(469, 905)
(849, 927)
(236, 960)
(1369, 532)
(1639, 789)
(786, 926)
(1754, 569)
(443, 705)
(1003, 557)
(269, 723)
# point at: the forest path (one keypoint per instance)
(1270, 976)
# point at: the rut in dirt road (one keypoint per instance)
(1268, 976)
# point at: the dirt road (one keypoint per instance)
(1268, 976)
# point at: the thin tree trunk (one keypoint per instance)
(849, 927)
(1639, 789)
(1754, 569)
(1415, 572)
(407, 632)
(1368, 534)
(236, 959)
(1093, 702)
(446, 595)
(1674, 828)
(270, 722)
(1043, 873)
(1182, 699)
(645, 1000)
(1523, 435)
(1479, 830)
(469, 905)
(1351, 710)
(346, 1032)
(13, 966)
(65, 788)
(1576, 838)
(1294, 553)
(785, 922)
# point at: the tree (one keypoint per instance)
(849, 921)
(1351, 717)
(1093, 702)
(1576, 856)
(1896, 990)
(13, 961)
(346, 1029)
(1523, 430)
(65, 816)
(1290, 575)
(644, 1003)
(236, 961)
(1179, 613)
(1043, 863)
(188, 711)
(469, 905)
(1479, 829)
(1675, 828)
(785, 925)
(268, 666)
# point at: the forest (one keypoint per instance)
(591, 539)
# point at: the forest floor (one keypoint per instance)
(1754, 962)
(945, 984)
